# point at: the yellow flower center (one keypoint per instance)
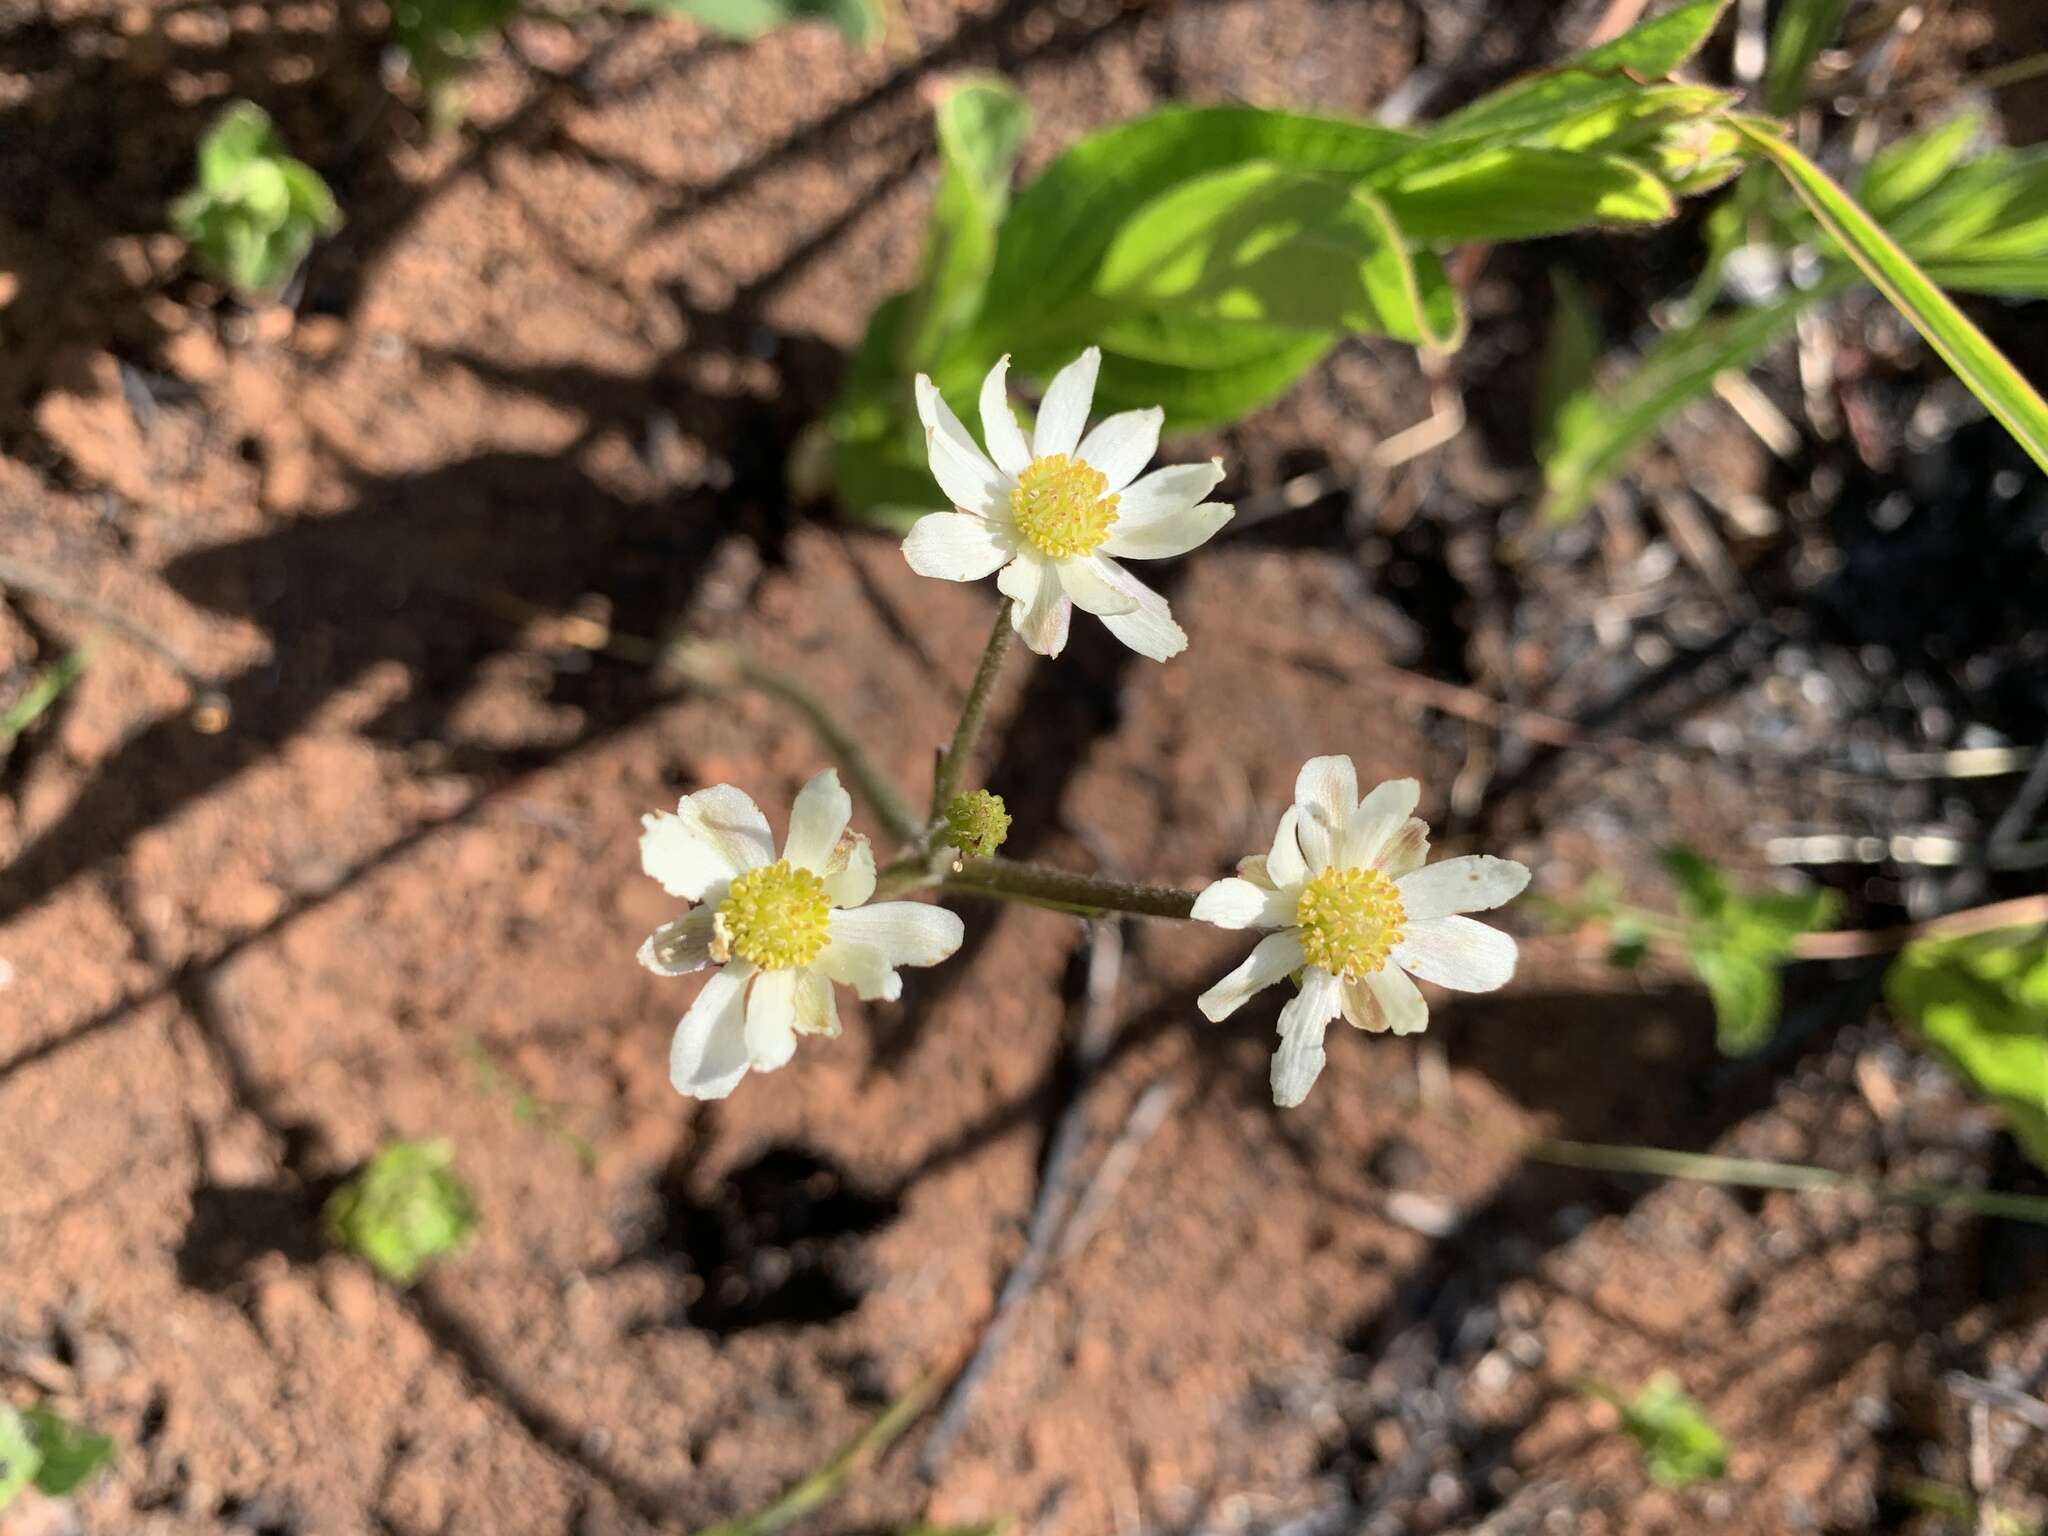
(1350, 921)
(775, 917)
(1060, 508)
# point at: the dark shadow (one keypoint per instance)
(234, 1225)
(776, 1242)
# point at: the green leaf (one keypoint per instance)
(256, 211)
(403, 1211)
(1597, 432)
(1980, 365)
(982, 123)
(1614, 72)
(1982, 1001)
(1065, 221)
(1282, 249)
(1804, 28)
(70, 1453)
(1194, 398)
(1515, 192)
(1570, 350)
(1910, 169)
(1987, 215)
(1679, 1444)
(859, 21)
(1736, 942)
(19, 1458)
(44, 690)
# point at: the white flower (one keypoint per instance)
(1355, 913)
(780, 931)
(1050, 514)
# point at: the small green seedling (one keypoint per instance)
(1736, 942)
(403, 1211)
(1982, 1001)
(440, 38)
(256, 211)
(44, 689)
(1678, 1444)
(44, 1449)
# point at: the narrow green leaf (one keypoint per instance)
(1514, 192)
(1907, 171)
(1804, 28)
(70, 1452)
(1598, 432)
(1980, 365)
(43, 691)
(1982, 1001)
(1569, 353)
(981, 122)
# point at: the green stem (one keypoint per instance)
(823, 1485)
(1086, 895)
(1753, 1173)
(953, 765)
(721, 667)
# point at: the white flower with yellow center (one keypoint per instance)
(1356, 913)
(780, 930)
(1054, 514)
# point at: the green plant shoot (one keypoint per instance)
(1679, 1445)
(1736, 943)
(256, 211)
(860, 22)
(405, 1210)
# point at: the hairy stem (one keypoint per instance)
(719, 666)
(1753, 1173)
(1087, 895)
(953, 765)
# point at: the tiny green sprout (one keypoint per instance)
(439, 38)
(256, 211)
(1679, 1445)
(70, 1452)
(19, 1458)
(406, 1209)
(976, 824)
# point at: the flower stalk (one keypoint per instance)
(1084, 895)
(959, 751)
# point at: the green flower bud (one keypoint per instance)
(406, 1209)
(976, 824)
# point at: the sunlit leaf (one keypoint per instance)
(1679, 1444)
(1737, 942)
(256, 211)
(1907, 171)
(981, 122)
(1982, 1001)
(1514, 192)
(859, 21)
(19, 1458)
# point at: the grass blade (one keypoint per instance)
(1989, 375)
(47, 687)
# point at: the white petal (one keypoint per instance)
(1040, 609)
(1458, 953)
(1277, 956)
(956, 546)
(1331, 785)
(1299, 1061)
(1478, 882)
(771, 1019)
(816, 1009)
(1406, 851)
(1318, 842)
(1081, 578)
(1147, 629)
(715, 834)
(680, 947)
(1167, 491)
(1285, 866)
(1169, 534)
(862, 967)
(1064, 411)
(1380, 815)
(1006, 444)
(1386, 999)
(1241, 904)
(820, 813)
(850, 873)
(1122, 444)
(963, 473)
(708, 1056)
(906, 932)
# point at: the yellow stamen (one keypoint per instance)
(1350, 921)
(1060, 507)
(775, 917)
